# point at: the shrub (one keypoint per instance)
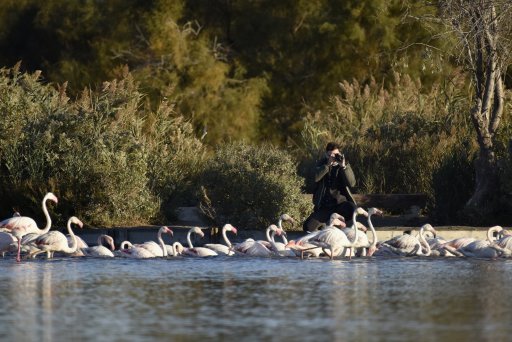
(250, 186)
(111, 160)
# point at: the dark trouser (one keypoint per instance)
(319, 217)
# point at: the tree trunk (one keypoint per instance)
(486, 181)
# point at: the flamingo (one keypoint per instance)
(128, 250)
(100, 250)
(220, 248)
(28, 223)
(505, 241)
(55, 241)
(334, 240)
(480, 249)
(158, 249)
(197, 251)
(283, 218)
(362, 241)
(177, 249)
(259, 248)
(148, 249)
(303, 247)
(6, 242)
(459, 243)
(407, 244)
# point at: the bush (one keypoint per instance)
(250, 186)
(111, 160)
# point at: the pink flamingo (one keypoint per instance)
(28, 223)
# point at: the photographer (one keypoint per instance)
(333, 179)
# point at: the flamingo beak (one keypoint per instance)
(234, 230)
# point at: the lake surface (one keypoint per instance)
(250, 299)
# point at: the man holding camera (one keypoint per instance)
(333, 179)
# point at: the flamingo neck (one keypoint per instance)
(354, 227)
(74, 244)
(224, 236)
(161, 242)
(128, 244)
(374, 233)
(189, 241)
(280, 225)
(46, 229)
(272, 242)
(175, 248)
(492, 230)
(267, 233)
(425, 243)
(100, 240)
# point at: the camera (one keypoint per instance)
(339, 157)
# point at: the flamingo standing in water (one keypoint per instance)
(303, 247)
(19, 226)
(100, 250)
(6, 242)
(281, 246)
(149, 249)
(158, 249)
(333, 241)
(482, 248)
(259, 248)
(362, 243)
(55, 241)
(406, 244)
(197, 251)
(220, 248)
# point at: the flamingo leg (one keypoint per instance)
(18, 255)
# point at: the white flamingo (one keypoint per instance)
(158, 249)
(333, 241)
(177, 248)
(281, 246)
(100, 250)
(480, 249)
(55, 241)
(407, 244)
(259, 248)
(80, 245)
(197, 251)
(6, 242)
(220, 248)
(362, 242)
(127, 250)
(302, 247)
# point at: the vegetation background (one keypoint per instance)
(129, 109)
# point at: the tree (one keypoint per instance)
(483, 30)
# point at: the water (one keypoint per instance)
(249, 299)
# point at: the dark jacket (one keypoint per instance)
(344, 180)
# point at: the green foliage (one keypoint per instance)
(397, 139)
(250, 186)
(110, 161)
